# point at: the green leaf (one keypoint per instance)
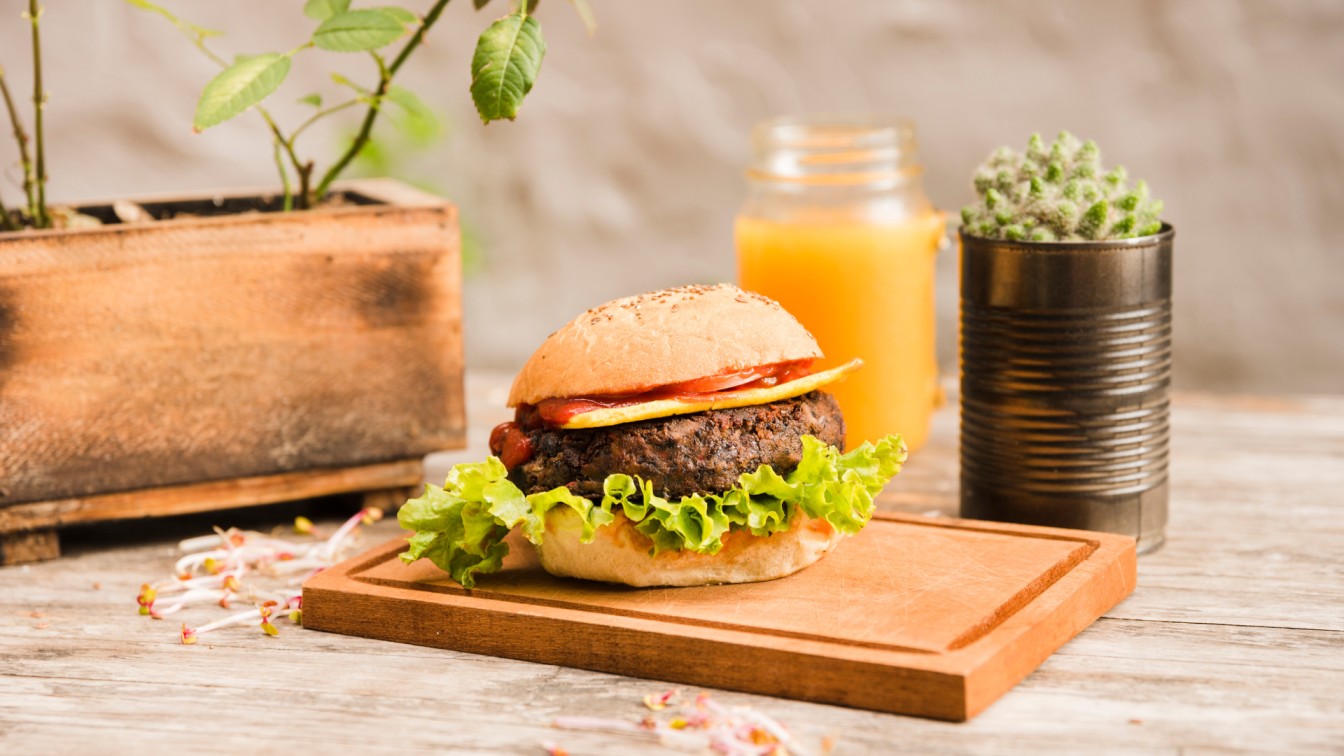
(313, 99)
(420, 120)
(360, 30)
(240, 86)
(321, 10)
(402, 15)
(345, 82)
(505, 65)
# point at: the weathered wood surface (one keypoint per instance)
(29, 532)
(217, 347)
(1232, 641)
(216, 494)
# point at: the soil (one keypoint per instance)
(220, 205)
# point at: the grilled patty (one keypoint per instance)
(702, 453)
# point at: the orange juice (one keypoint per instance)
(864, 289)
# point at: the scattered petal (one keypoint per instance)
(703, 725)
(659, 701)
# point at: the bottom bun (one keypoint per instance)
(620, 554)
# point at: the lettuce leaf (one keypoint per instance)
(461, 526)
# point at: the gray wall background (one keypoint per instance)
(623, 172)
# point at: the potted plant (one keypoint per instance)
(1065, 344)
(190, 353)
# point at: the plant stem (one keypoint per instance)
(288, 146)
(40, 218)
(21, 138)
(384, 82)
(319, 115)
(6, 222)
(305, 185)
(284, 178)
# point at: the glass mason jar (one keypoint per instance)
(837, 228)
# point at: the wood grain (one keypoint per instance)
(1172, 670)
(934, 618)
(384, 483)
(29, 546)
(212, 348)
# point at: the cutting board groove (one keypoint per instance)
(919, 616)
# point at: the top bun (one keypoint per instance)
(638, 343)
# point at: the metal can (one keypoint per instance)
(1065, 374)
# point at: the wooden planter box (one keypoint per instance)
(225, 360)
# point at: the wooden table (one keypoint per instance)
(1234, 639)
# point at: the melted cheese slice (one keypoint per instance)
(601, 418)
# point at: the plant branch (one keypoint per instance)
(384, 82)
(6, 221)
(21, 137)
(319, 115)
(288, 146)
(40, 219)
(284, 178)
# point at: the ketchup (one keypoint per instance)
(510, 443)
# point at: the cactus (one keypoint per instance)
(1058, 192)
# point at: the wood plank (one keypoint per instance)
(147, 355)
(31, 546)
(936, 618)
(1269, 691)
(218, 494)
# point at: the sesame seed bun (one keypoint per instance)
(638, 343)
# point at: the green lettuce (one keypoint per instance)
(460, 526)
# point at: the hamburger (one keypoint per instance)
(678, 437)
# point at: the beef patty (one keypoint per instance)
(702, 453)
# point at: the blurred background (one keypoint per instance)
(624, 169)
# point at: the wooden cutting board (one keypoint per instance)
(931, 617)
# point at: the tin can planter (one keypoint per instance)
(225, 357)
(1065, 372)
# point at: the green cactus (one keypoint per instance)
(1058, 192)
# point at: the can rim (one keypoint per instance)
(1167, 233)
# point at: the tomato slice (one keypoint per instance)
(556, 412)
(719, 382)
